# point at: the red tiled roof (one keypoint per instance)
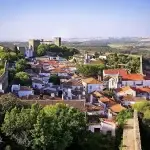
(143, 89)
(117, 108)
(116, 71)
(50, 62)
(133, 77)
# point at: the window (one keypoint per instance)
(97, 130)
(109, 133)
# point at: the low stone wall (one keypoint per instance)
(137, 136)
(131, 134)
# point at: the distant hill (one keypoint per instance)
(12, 44)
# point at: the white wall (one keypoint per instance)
(78, 87)
(63, 74)
(25, 93)
(103, 57)
(1, 88)
(95, 87)
(113, 83)
(108, 127)
(128, 103)
(104, 128)
(127, 92)
(146, 83)
(28, 53)
(101, 112)
(91, 127)
(15, 87)
(37, 85)
(136, 83)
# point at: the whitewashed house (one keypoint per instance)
(105, 126)
(22, 91)
(127, 90)
(112, 77)
(129, 100)
(95, 109)
(37, 84)
(73, 84)
(92, 84)
(135, 80)
(60, 72)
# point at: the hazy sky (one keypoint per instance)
(24, 19)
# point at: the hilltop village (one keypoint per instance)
(101, 86)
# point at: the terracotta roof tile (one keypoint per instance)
(116, 71)
(143, 89)
(73, 82)
(91, 81)
(104, 99)
(116, 108)
(133, 77)
(123, 89)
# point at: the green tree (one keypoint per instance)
(95, 141)
(123, 116)
(22, 78)
(18, 125)
(21, 65)
(55, 79)
(8, 102)
(41, 50)
(11, 75)
(90, 70)
(53, 127)
(142, 106)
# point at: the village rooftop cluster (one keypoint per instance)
(88, 94)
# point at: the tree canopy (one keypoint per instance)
(52, 127)
(90, 70)
(22, 78)
(129, 62)
(123, 116)
(21, 65)
(56, 127)
(63, 51)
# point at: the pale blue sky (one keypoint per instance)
(25, 19)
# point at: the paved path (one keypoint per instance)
(128, 136)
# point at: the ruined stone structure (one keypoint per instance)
(34, 43)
